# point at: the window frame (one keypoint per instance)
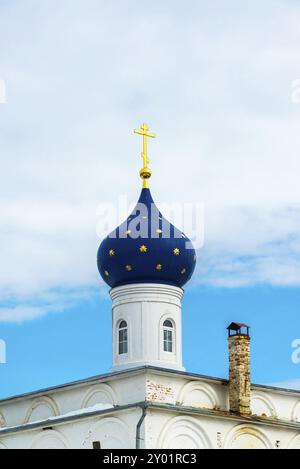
(168, 337)
(122, 337)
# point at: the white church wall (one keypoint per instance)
(35, 439)
(168, 430)
(162, 429)
(188, 391)
(113, 431)
(138, 386)
(131, 388)
(159, 387)
(277, 403)
(14, 412)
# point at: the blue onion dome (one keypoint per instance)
(146, 248)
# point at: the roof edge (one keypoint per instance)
(137, 370)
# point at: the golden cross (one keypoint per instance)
(145, 172)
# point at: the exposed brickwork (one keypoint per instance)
(159, 392)
(239, 374)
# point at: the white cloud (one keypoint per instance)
(32, 307)
(21, 313)
(215, 83)
(250, 245)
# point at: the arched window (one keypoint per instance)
(123, 338)
(168, 335)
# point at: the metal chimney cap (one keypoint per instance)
(238, 327)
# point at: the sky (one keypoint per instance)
(218, 85)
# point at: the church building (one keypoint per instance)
(148, 399)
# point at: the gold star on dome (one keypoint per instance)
(128, 267)
(111, 252)
(176, 251)
(183, 271)
(128, 231)
(158, 267)
(143, 248)
(106, 273)
(158, 230)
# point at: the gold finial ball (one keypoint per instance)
(145, 173)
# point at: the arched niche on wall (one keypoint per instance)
(294, 443)
(42, 408)
(100, 394)
(262, 405)
(2, 421)
(111, 432)
(246, 437)
(296, 412)
(183, 433)
(196, 394)
(49, 439)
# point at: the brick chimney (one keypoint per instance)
(239, 368)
